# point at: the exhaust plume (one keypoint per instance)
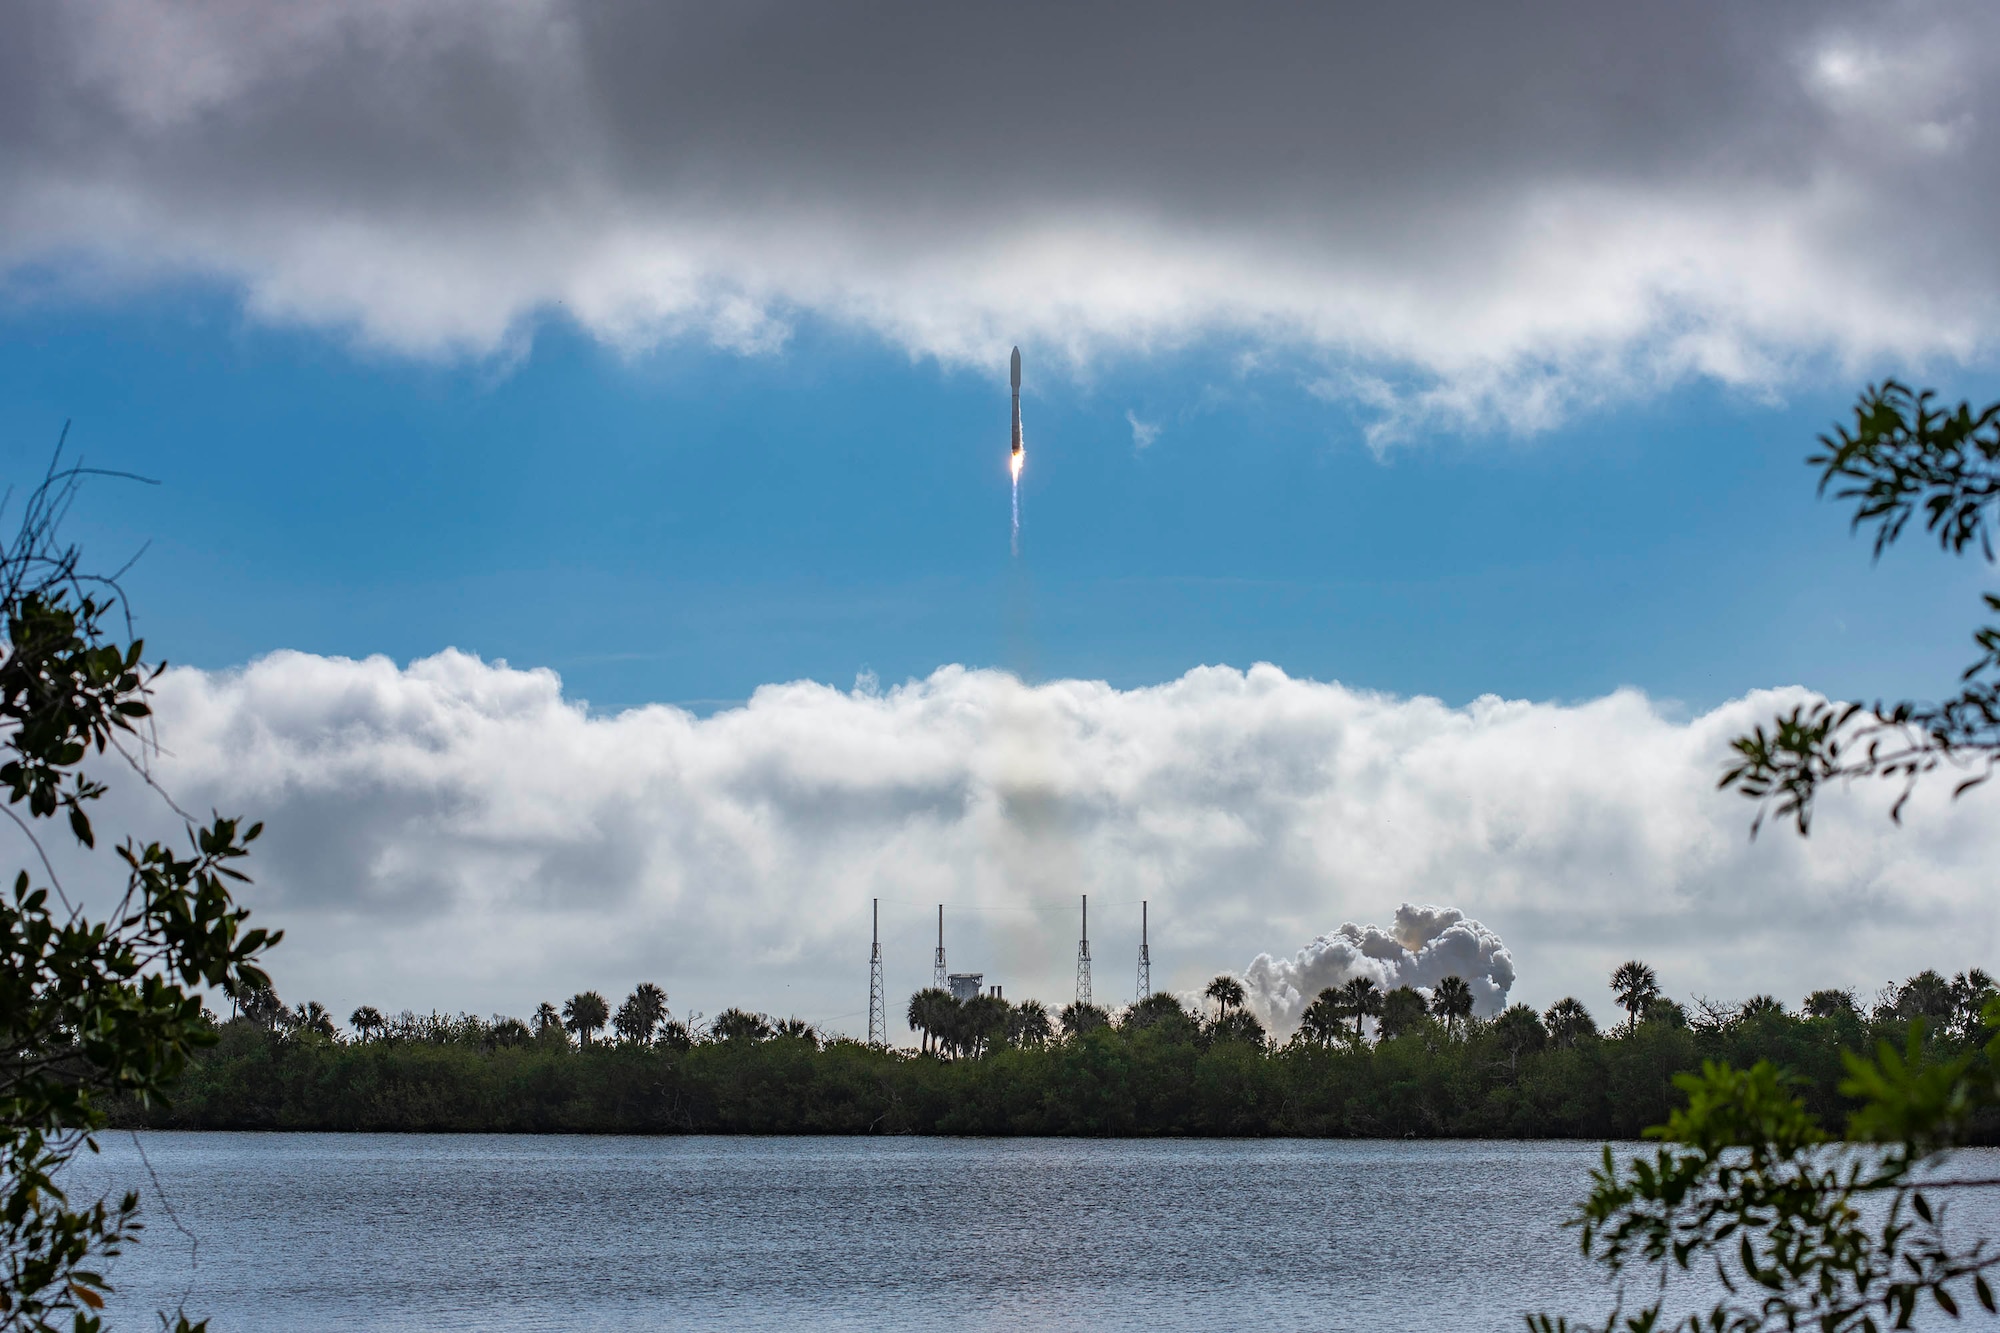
(1016, 468)
(1424, 946)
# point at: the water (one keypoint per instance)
(392, 1232)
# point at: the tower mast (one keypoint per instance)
(1083, 957)
(938, 977)
(1145, 957)
(878, 1026)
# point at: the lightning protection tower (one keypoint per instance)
(1083, 957)
(878, 1024)
(1145, 957)
(939, 978)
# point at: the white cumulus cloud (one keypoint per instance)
(458, 833)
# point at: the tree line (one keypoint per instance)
(1363, 1063)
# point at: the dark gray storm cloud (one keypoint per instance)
(1452, 209)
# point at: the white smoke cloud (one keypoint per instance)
(1457, 216)
(457, 833)
(1426, 945)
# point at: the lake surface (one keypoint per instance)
(325, 1232)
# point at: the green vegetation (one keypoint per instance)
(1804, 1230)
(1749, 1184)
(94, 1007)
(989, 1067)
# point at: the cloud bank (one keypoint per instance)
(1426, 945)
(1456, 212)
(457, 833)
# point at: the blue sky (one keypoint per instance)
(689, 523)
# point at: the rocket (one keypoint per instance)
(1014, 377)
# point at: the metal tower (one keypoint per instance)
(1145, 957)
(878, 1024)
(1083, 957)
(938, 977)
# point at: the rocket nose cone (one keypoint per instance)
(1014, 369)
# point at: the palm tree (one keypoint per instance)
(1324, 1019)
(952, 1035)
(1451, 1001)
(944, 1024)
(311, 1017)
(365, 1020)
(1030, 1025)
(641, 1014)
(586, 1013)
(1078, 1018)
(984, 1019)
(1760, 1006)
(931, 1011)
(1226, 991)
(1519, 1030)
(261, 1006)
(1402, 1010)
(740, 1025)
(1568, 1022)
(1829, 1004)
(1240, 1026)
(1666, 1012)
(1360, 998)
(799, 1030)
(1636, 986)
(1970, 992)
(510, 1032)
(1927, 995)
(547, 1020)
(1164, 1016)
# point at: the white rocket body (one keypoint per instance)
(1014, 377)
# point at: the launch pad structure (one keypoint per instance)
(964, 986)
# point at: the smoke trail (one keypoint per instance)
(1017, 514)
